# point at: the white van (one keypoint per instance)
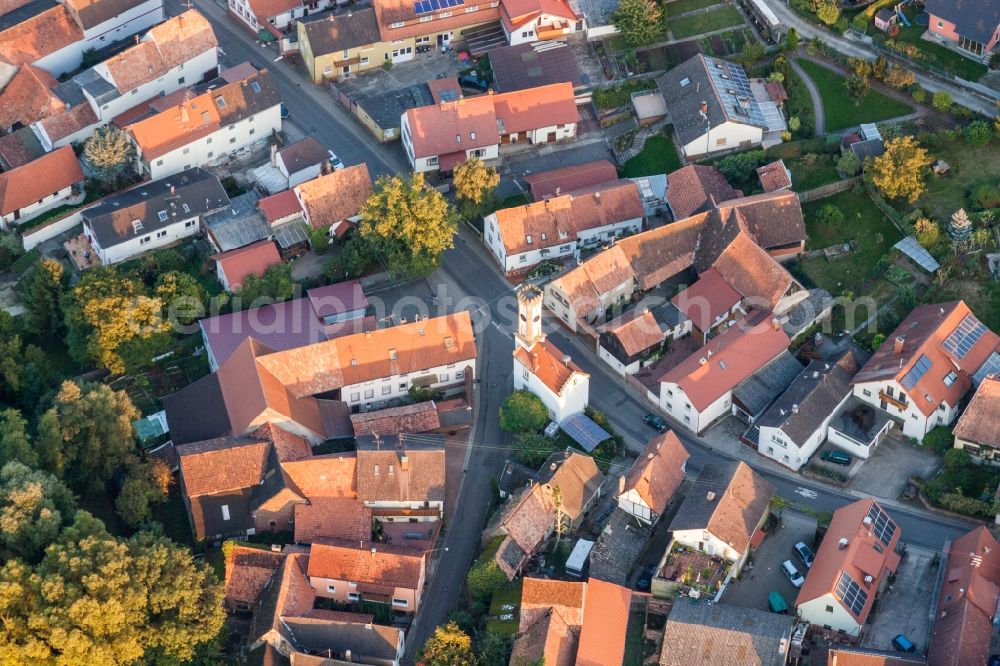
(578, 558)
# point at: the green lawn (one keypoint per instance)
(863, 223)
(505, 602)
(970, 168)
(613, 97)
(657, 156)
(678, 7)
(839, 111)
(938, 55)
(699, 24)
(811, 171)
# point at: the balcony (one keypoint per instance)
(895, 402)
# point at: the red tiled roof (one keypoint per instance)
(248, 571)
(658, 471)
(266, 9)
(392, 12)
(774, 176)
(546, 362)
(379, 564)
(416, 418)
(730, 357)
(223, 464)
(605, 624)
(61, 125)
(694, 189)
(336, 196)
(753, 272)
(38, 179)
(332, 518)
(532, 108)
(251, 259)
(709, 298)
(980, 422)
(324, 477)
(41, 35)
(279, 206)
(567, 179)
(28, 97)
(636, 331)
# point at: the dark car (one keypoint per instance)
(655, 421)
(836, 457)
(646, 577)
(471, 81)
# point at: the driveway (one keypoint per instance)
(766, 576)
(905, 609)
(885, 474)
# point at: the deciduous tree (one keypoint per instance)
(42, 292)
(532, 448)
(900, 171)
(857, 88)
(475, 182)
(751, 53)
(182, 296)
(408, 225)
(638, 21)
(34, 507)
(791, 39)
(107, 151)
(448, 646)
(523, 411)
(146, 484)
(15, 445)
(942, 101)
(828, 11)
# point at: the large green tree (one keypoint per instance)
(523, 411)
(86, 436)
(15, 445)
(408, 225)
(42, 292)
(900, 171)
(183, 298)
(475, 184)
(638, 21)
(146, 483)
(275, 285)
(448, 646)
(34, 508)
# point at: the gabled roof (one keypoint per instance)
(753, 272)
(528, 518)
(289, 594)
(516, 13)
(605, 624)
(979, 422)
(549, 640)
(222, 465)
(336, 196)
(729, 358)
(532, 108)
(577, 477)
(730, 501)
(529, 65)
(700, 634)
(708, 299)
(843, 655)
(335, 33)
(266, 9)
(397, 19)
(61, 125)
(974, 19)
(332, 518)
(248, 571)
(40, 35)
(376, 564)
(28, 97)
(302, 154)
(636, 331)
(773, 219)
(566, 179)
(330, 476)
(92, 13)
(551, 366)
(19, 148)
(401, 468)
(774, 176)
(337, 298)
(696, 188)
(415, 418)
(320, 632)
(248, 260)
(279, 206)
(599, 274)
(40, 178)
(930, 341)
(867, 553)
(658, 471)
(755, 393)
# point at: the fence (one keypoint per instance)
(824, 191)
(51, 229)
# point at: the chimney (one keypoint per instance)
(326, 168)
(842, 544)
(795, 409)
(373, 550)
(274, 154)
(404, 462)
(702, 361)
(868, 580)
(597, 197)
(710, 495)
(621, 484)
(774, 324)
(897, 345)
(566, 359)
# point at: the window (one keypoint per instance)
(524, 259)
(364, 60)
(134, 91)
(397, 24)
(180, 80)
(687, 407)
(432, 161)
(232, 140)
(225, 512)
(347, 53)
(940, 24)
(402, 386)
(369, 394)
(829, 609)
(524, 374)
(353, 596)
(252, 130)
(687, 419)
(426, 19)
(355, 396)
(950, 378)
(161, 233)
(866, 393)
(444, 14)
(159, 162)
(386, 390)
(162, 215)
(528, 239)
(473, 8)
(670, 393)
(208, 141)
(444, 377)
(232, 127)
(144, 240)
(460, 374)
(721, 141)
(220, 101)
(400, 602)
(210, 153)
(331, 588)
(190, 223)
(187, 209)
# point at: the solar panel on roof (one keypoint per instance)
(882, 526)
(851, 594)
(584, 431)
(918, 370)
(964, 337)
(990, 367)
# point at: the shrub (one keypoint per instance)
(977, 133)
(987, 196)
(849, 163)
(830, 215)
(899, 77)
(533, 449)
(794, 123)
(918, 94)
(484, 579)
(966, 505)
(939, 440)
(942, 101)
(877, 341)
(523, 411)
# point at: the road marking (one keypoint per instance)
(805, 492)
(506, 334)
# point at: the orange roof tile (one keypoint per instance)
(695, 188)
(730, 357)
(39, 36)
(324, 477)
(251, 259)
(266, 9)
(529, 518)
(336, 196)
(708, 299)
(774, 176)
(389, 13)
(602, 273)
(635, 331)
(28, 97)
(552, 593)
(753, 272)
(189, 121)
(279, 206)
(332, 518)
(548, 640)
(374, 563)
(567, 179)
(531, 108)
(546, 362)
(61, 125)
(248, 570)
(289, 447)
(979, 423)
(448, 127)
(658, 471)
(223, 464)
(37, 179)
(662, 253)
(577, 477)
(182, 37)
(605, 624)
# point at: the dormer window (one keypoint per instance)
(376, 469)
(950, 378)
(685, 82)
(162, 214)
(354, 362)
(458, 138)
(472, 135)
(255, 86)
(543, 236)
(391, 469)
(136, 225)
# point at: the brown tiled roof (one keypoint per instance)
(547, 592)
(19, 148)
(61, 125)
(558, 220)
(288, 595)
(567, 179)
(419, 417)
(223, 464)
(332, 518)
(772, 219)
(980, 423)
(600, 274)
(753, 272)
(327, 476)
(923, 333)
(662, 253)
(546, 362)
(448, 84)
(287, 446)
(858, 559)
(776, 91)
(39, 36)
(696, 188)
(279, 206)
(302, 154)
(730, 357)
(336, 33)
(635, 331)
(266, 9)
(529, 518)
(28, 97)
(40, 178)
(532, 108)
(182, 37)
(135, 66)
(577, 477)
(248, 571)
(400, 473)
(336, 196)
(92, 13)
(658, 471)
(605, 624)
(252, 259)
(374, 563)
(710, 297)
(548, 640)
(774, 176)
(390, 12)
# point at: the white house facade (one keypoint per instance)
(102, 28)
(678, 405)
(727, 136)
(375, 394)
(890, 397)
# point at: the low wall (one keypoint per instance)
(824, 191)
(51, 229)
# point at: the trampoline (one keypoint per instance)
(923, 19)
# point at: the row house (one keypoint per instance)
(527, 21)
(654, 478)
(921, 372)
(560, 227)
(974, 27)
(978, 429)
(400, 478)
(441, 136)
(349, 572)
(636, 339)
(431, 24)
(29, 190)
(334, 200)
(209, 127)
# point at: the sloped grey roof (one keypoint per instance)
(732, 635)
(761, 388)
(975, 19)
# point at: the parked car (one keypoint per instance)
(805, 554)
(836, 457)
(777, 603)
(655, 421)
(646, 577)
(335, 161)
(902, 643)
(793, 574)
(473, 81)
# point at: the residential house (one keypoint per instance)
(654, 478)
(327, 638)
(248, 572)
(568, 179)
(886, 19)
(349, 572)
(635, 339)
(39, 186)
(775, 176)
(921, 372)
(978, 429)
(527, 21)
(281, 208)
(699, 390)
(858, 427)
(151, 215)
(332, 509)
(774, 221)
(710, 304)
(539, 366)
(312, 390)
(712, 108)
(697, 188)
(408, 26)
(401, 476)
(795, 426)
(335, 199)
(28, 97)
(967, 600)
(725, 635)
(973, 27)
(756, 393)
(532, 65)
(844, 655)
(234, 266)
(558, 228)
(442, 136)
(212, 126)
(579, 482)
(287, 594)
(272, 17)
(105, 22)
(294, 164)
(856, 558)
(724, 516)
(416, 418)
(337, 46)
